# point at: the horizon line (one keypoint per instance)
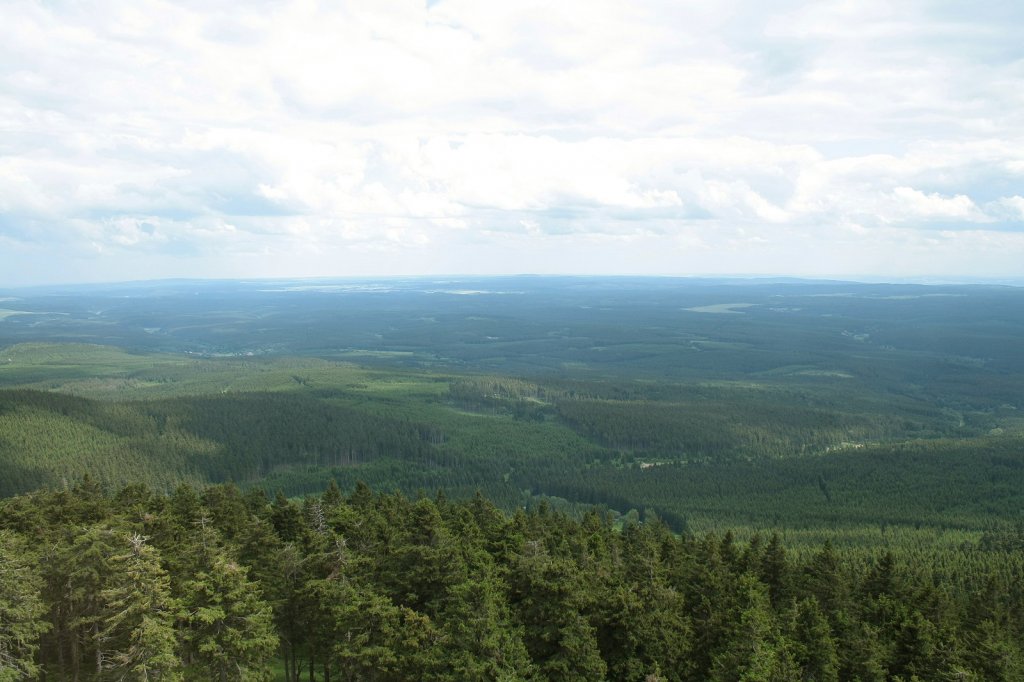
(920, 280)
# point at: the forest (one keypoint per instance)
(512, 478)
(220, 584)
(703, 456)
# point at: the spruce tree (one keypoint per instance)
(756, 651)
(549, 600)
(814, 649)
(229, 633)
(22, 610)
(77, 573)
(138, 637)
(479, 634)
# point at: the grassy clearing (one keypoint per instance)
(721, 308)
(5, 313)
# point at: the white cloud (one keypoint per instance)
(290, 138)
(1012, 206)
(915, 204)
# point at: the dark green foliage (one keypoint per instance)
(710, 424)
(754, 648)
(813, 648)
(227, 630)
(775, 452)
(849, 458)
(78, 572)
(381, 587)
(548, 597)
(138, 637)
(22, 609)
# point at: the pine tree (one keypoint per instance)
(862, 654)
(711, 591)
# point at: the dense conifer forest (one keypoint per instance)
(544, 480)
(219, 584)
(702, 455)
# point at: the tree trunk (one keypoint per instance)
(75, 663)
(99, 651)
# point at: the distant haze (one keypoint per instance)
(870, 140)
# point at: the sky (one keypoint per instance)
(205, 138)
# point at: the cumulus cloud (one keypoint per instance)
(165, 138)
(914, 204)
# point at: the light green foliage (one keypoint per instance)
(755, 650)
(228, 629)
(378, 640)
(138, 636)
(482, 643)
